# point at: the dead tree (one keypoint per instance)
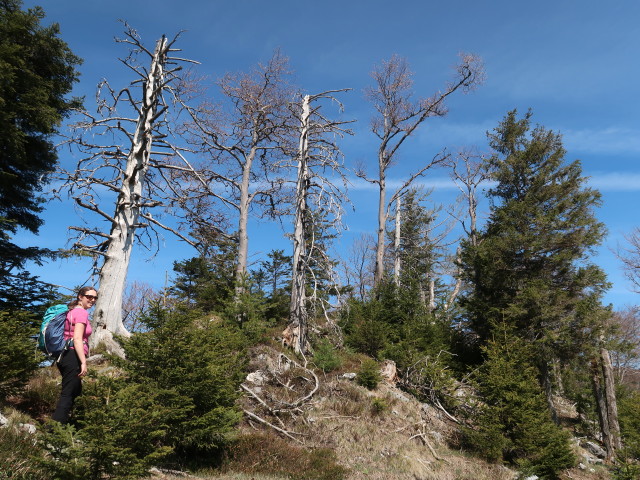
(604, 392)
(241, 138)
(317, 197)
(419, 235)
(123, 155)
(630, 257)
(468, 171)
(358, 267)
(398, 116)
(396, 242)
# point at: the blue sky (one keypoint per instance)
(574, 63)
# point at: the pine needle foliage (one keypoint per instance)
(18, 356)
(200, 361)
(512, 422)
(172, 401)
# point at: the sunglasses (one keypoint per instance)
(91, 297)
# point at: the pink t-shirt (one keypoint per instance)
(78, 315)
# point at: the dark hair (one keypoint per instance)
(74, 303)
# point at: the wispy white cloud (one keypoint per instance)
(610, 140)
(615, 181)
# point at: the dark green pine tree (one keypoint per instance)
(206, 282)
(37, 72)
(531, 267)
(512, 421)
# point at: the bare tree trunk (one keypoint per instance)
(432, 295)
(113, 274)
(298, 308)
(603, 418)
(243, 219)
(382, 221)
(396, 244)
(610, 398)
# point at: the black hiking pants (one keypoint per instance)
(69, 367)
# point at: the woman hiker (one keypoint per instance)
(73, 363)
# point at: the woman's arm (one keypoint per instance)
(78, 345)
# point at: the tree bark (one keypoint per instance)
(610, 398)
(382, 220)
(298, 308)
(396, 243)
(113, 274)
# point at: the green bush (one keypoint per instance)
(378, 406)
(512, 421)
(629, 416)
(18, 356)
(200, 361)
(369, 374)
(326, 357)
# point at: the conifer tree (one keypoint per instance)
(530, 268)
(37, 72)
(512, 422)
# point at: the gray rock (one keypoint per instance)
(257, 378)
(595, 449)
(349, 376)
(27, 427)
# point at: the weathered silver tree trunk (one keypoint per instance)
(116, 174)
(316, 207)
(396, 243)
(610, 398)
(113, 274)
(298, 307)
(244, 204)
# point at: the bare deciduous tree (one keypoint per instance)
(625, 342)
(124, 155)
(358, 268)
(398, 116)
(468, 171)
(137, 298)
(242, 139)
(630, 257)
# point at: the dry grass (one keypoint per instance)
(380, 434)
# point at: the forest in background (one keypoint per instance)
(513, 309)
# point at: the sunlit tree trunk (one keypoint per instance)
(298, 308)
(113, 274)
(396, 244)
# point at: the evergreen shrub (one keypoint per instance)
(18, 356)
(378, 406)
(512, 421)
(369, 374)
(326, 357)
